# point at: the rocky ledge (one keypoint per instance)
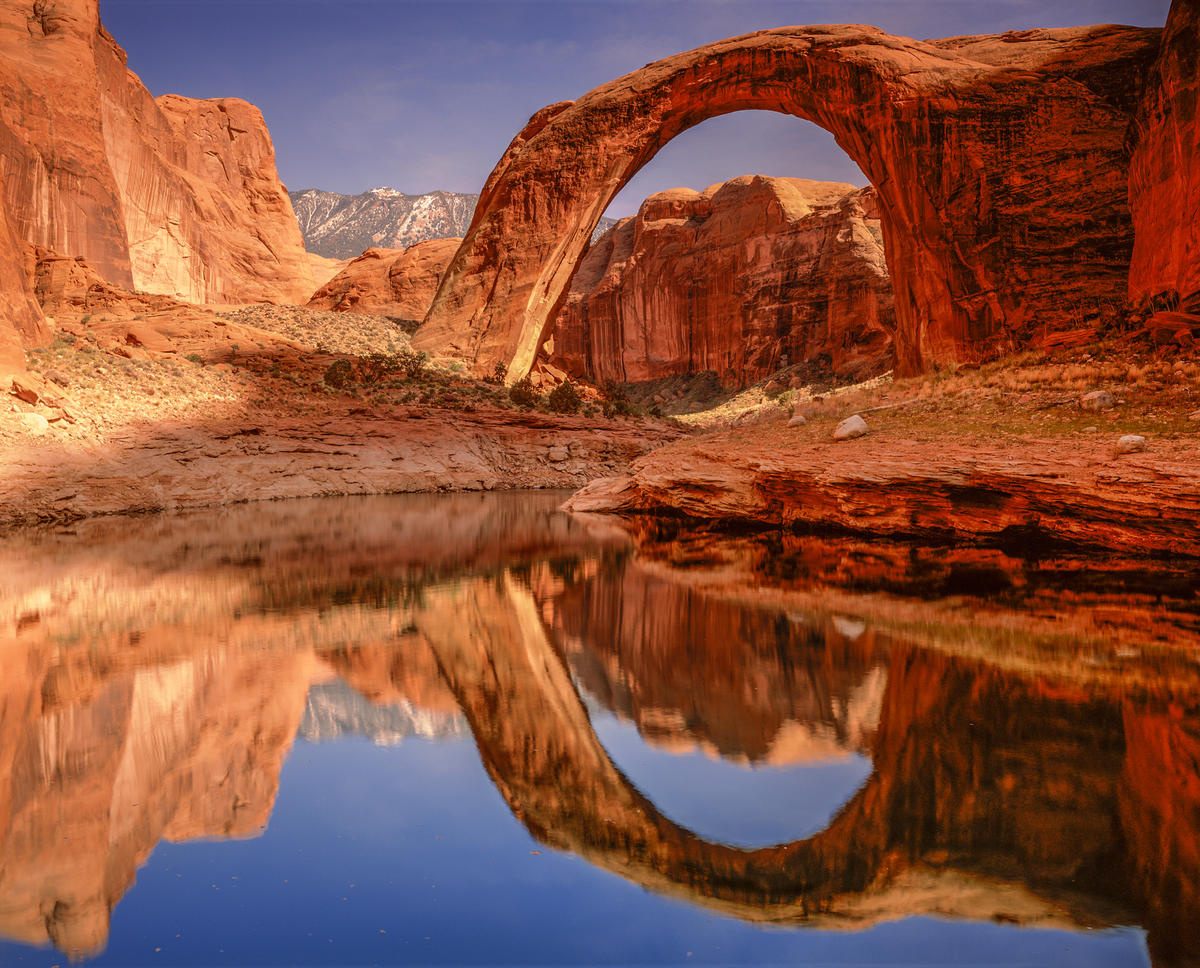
(1017, 490)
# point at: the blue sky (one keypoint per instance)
(421, 95)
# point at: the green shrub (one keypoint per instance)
(339, 374)
(566, 398)
(499, 372)
(412, 363)
(195, 358)
(523, 393)
(377, 366)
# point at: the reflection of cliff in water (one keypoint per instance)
(995, 795)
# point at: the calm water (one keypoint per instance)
(470, 730)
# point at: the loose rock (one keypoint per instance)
(35, 423)
(799, 420)
(558, 454)
(1131, 444)
(850, 428)
(1098, 400)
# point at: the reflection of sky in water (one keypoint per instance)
(407, 855)
(732, 803)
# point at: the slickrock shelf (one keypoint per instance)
(962, 489)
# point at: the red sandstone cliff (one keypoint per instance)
(170, 195)
(389, 282)
(732, 279)
(1164, 172)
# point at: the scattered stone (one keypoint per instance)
(57, 376)
(774, 388)
(795, 383)
(558, 454)
(1090, 430)
(1194, 416)
(27, 387)
(1131, 444)
(576, 449)
(1098, 400)
(850, 428)
(799, 420)
(35, 423)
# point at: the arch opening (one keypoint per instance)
(999, 163)
(743, 273)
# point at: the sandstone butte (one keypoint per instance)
(999, 161)
(389, 282)
(739, 279)
(166, 195)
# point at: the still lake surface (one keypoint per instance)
(472, 730)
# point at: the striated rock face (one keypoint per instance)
(171, 196)
(999, 162)
(22, 322)
(732, 280)
(1164, 175)
(387, 282)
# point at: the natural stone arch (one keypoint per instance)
(999, 162)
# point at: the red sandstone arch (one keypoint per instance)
(999, 162)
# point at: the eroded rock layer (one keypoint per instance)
(999, 161)
(172, 195)
(389, 282)
(1164, 179)
(738, 279)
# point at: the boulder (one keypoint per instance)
(1098, 400)
(1131, 444)
(850, 428)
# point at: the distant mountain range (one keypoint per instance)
(335, 709)
(343, 226)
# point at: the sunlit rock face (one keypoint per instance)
(740, 279)
(389, 282)
(170, 195)
(1000, 164)
(1164, 182)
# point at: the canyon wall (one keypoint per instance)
(389, 282)
(1000, 164)
(170, 195)
(739, 279)
(1164, 173)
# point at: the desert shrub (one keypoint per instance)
(499, 372)
(377, 366)
(412, 363)
(339, 374)
(195, 358)
(565, 398)
(523, 393)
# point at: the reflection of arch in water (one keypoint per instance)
(945, 795)
(999, 163)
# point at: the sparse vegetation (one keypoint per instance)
(340, 374)
(565, 398)
(523, 393)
